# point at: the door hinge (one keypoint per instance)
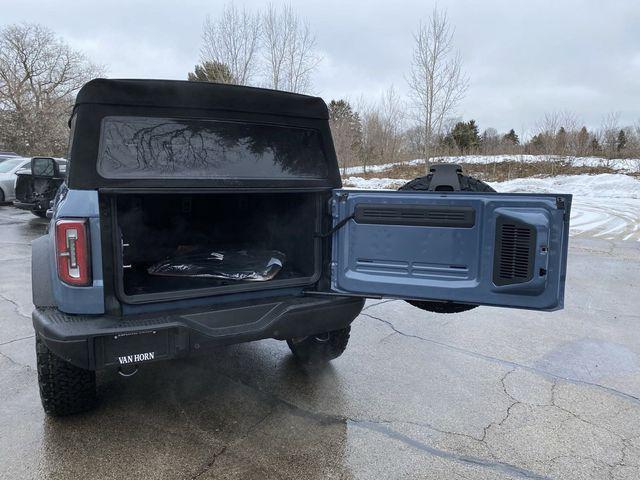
(561, 205)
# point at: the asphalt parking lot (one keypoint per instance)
(488, 393)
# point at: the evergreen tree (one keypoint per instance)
(474, 133)
(537, 143)
(339, 110)
(511, 138)
(561, 141)
(215, 72)
(448, 141)
(582, 140)
(595, 145)
(346, 129)
(466, 135)
(622, 141)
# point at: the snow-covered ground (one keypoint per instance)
(380, 168)
(605, 206)
(374, 183)
(625, 165)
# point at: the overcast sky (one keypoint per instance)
(523, 58)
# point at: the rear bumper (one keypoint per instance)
(96, 342)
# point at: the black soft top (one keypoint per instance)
(200, 95)
(102, 102)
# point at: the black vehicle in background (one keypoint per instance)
(37, 186)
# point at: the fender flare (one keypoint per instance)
(42, 290)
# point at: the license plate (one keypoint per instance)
(136, 347)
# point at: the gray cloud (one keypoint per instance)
(523, 58)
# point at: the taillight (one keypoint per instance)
(72, 251)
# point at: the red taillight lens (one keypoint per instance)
(72, 252)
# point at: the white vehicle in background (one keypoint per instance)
(5, 155)
(8, 169)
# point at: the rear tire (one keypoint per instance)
(64, 388)
(321, 348)
(40, 213)
(467, 184)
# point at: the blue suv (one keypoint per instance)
(196, 215)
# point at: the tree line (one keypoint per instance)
(238, 44)
(377, 133)
(275, 47)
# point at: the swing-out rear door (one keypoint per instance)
(507, 250)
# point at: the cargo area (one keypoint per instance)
(154, 228)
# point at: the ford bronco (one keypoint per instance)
(196, 215)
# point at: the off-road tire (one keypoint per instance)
(40, 213)
(64, 388)
(319, 349)
(467, 184)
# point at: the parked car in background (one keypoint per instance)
(36, 186)
(8, 168)
(5, 155)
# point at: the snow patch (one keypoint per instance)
(606, 185)
(374, 183)
(604, 206)
(625, 165)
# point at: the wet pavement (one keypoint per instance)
(485, 394)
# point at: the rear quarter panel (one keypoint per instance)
(67, 298)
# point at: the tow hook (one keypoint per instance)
(128, 370)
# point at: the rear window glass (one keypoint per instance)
(144, 147)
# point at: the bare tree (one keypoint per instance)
(382, 131)
(392, 115)
(490, 141)
(635, 146)
(372, 133)
(232, 39)
(39, 76)
(289, 49)
(609, 136)
(436, 80)
(557, 133)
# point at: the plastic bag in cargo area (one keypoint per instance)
(248, 265)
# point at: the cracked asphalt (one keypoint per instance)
(485, 394)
